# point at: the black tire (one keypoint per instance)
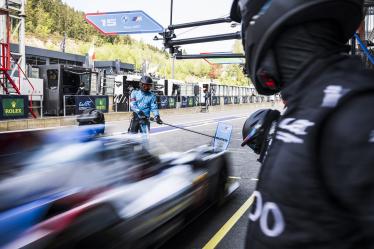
(80, 234)
(221, 188)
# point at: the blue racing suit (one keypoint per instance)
(141, 101)
(145, 102)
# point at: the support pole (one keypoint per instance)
(202, 39)
(199, 23)
(353, 45)
(173, 55)
(22, 46)
(364, 49)
(208, 56)
(173, 66)
(171, 12)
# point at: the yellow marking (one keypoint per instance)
(200, 178)
(213, 242)
(235, 177)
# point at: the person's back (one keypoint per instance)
(315, 179)
(316, 185)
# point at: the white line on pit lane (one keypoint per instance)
(188, 127)
(205, 124)
(193, 122)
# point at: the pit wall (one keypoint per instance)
(54, 122)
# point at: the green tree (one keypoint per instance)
(43, 22)
(54, 18)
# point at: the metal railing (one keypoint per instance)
(121, 101)
(67, 102)
(4, 57)
(39, 107)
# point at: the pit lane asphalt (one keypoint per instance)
(244, 165)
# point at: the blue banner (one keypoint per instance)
(184, 102)
(164, 102)
(227, 100)
(215, 100)
(83, 102)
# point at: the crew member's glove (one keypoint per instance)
(158, 120)
(141, 115)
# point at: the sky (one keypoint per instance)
(184, 11)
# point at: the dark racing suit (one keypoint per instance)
(316, 185)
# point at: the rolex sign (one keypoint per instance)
(14, 106)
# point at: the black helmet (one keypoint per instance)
(262, 20)
(146, 80)
(256, 128)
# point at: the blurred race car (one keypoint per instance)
(107, 192)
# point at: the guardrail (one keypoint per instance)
(167, 102)
(170, 102)
(76, 104)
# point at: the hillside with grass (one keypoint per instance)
(48, 21)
